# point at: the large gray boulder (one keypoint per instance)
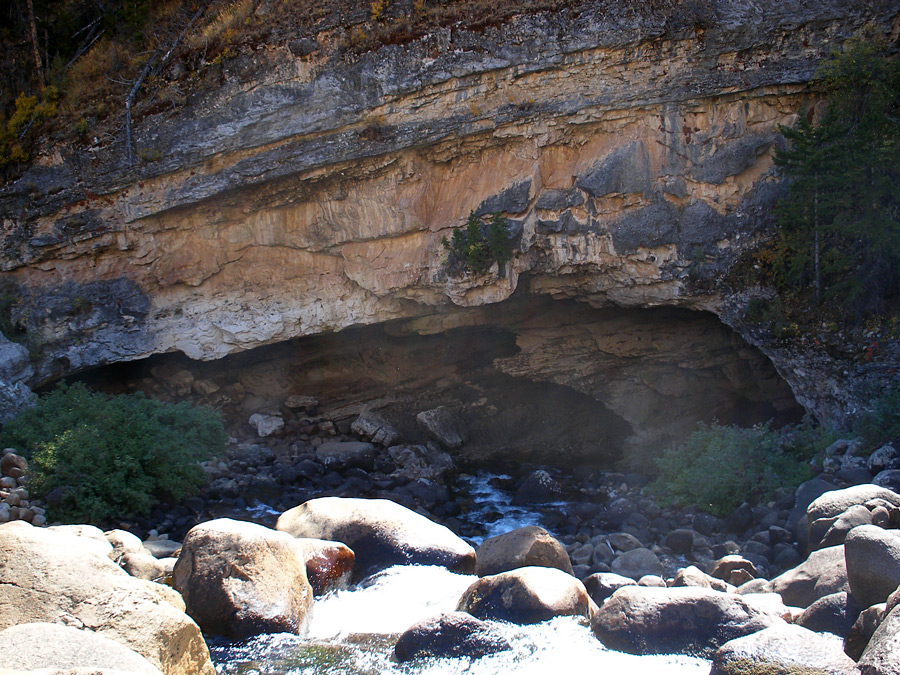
(530, 546)
(380, 532)
(57, 576)
(648, 620)
(873, 563)
(882, 655)
(783, 649)
(341, 455)
(241, 579)
(824, 572)
(35, 646)
(833, 504)
(450, 635)
(526, 595)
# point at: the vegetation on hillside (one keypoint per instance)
(94, 457)
(836, 253)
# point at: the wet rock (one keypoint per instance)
(637, 563)
(642, 620)
(39, 646)
(882, 655)
(873, 563)
(375, 428)
(240, 579)
(784, 649)
(530, 546)
(329, 564)
(450, 635)
(54, 576)
(444, 425)
(824, 572)
(835, 613)
(539, 487)
(526, 595)
(343, 455)
(266, 425)
(380, 532)
(602, 585)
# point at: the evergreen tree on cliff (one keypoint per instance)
(839, 229)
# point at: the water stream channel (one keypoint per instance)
(353, 631)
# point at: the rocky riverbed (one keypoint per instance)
(769, 584)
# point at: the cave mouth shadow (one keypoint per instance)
(531, 380)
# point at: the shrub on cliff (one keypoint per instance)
(478, 246)
(93, 457)
(718, 467)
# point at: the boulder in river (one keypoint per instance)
(784, 649)
(55, 576)
(241, 579)
(39, 646)
(329, 564)
(688, 620)
(526, 595)
(450, 635)
(529, 546)
(380, 532)
(873, 563)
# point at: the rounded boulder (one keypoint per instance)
(872, 555)
(530, 546)
(526, 595)
(380, 532)
(783, 649)
(241, 579)
(688, 620)
(36, 646)
(450, 635)
(329, 564)
(53, 576)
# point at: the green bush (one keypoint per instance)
(476, 247)
(719, 467)
(94, 457)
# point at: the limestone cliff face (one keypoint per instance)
(304, 195)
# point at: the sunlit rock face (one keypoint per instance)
(305, 195)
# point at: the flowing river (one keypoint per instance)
(353, 631)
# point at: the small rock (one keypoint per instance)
(300, 402)
(538, 488)
(637, 563)
(266, 425)
(602, 585)
(374, 428)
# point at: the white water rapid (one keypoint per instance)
(353, 631)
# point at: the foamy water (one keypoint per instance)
(353, 632)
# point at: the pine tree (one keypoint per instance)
(839, 228)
